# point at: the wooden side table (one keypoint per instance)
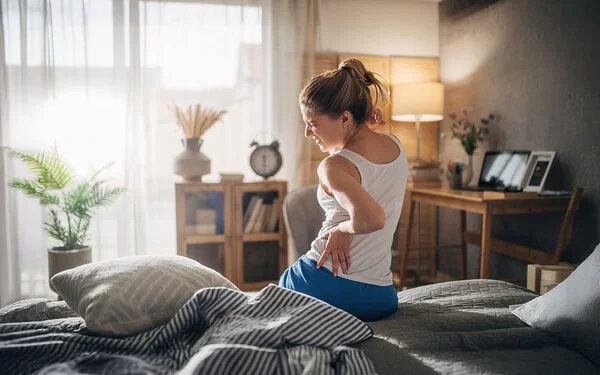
(489, 204)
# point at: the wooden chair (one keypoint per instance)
(529, 254)
(303, 217)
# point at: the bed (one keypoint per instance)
(462, 327)
(466, 327)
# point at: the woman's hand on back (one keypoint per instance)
(338, 246)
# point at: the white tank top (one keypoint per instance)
(370, 253)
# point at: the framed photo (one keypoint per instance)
(538, 166)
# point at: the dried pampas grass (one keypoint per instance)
(195, 120)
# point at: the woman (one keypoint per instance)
(361, 189)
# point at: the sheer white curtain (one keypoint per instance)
(293, 40)
(93, 77)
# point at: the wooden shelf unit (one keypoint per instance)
(250, 260)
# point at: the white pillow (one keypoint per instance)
(571, 310)
(130, 295)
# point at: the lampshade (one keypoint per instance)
(423, 101)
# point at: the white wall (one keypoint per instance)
(379, 27)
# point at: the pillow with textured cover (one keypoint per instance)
(35, 309)
(571, 310)
(129, 295)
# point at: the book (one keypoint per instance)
(206, 216)
(257, 227)
(231, 177)
(274, 217)
(206, 221)
(266, 217)
(555, 193)
(253, 216)
(424, 172)
(201, 229)
(249, 209)
(509, 195)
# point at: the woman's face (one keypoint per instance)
(328, 133)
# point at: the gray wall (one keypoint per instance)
(536, 63)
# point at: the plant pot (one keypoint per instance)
(191, 164)
(60, 260)
(454, 179)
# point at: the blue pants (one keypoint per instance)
(365, 301)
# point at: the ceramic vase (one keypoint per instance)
(191, 164)
(467, 173)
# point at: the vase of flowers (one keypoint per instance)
(70, 206)
(191, 163)
(470, 134)
(467, 176)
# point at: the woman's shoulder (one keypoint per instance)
(394, 138)
(390, 137)
(379, 149)
(334, 166)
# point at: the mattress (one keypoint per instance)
(466, 327)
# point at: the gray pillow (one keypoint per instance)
(130, 295)
(571, 310)
(34, 309)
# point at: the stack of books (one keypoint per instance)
(424, 169)
(206, 222)
(261, 217)
(424, 174)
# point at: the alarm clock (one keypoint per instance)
(265, 159)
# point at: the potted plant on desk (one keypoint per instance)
(70, 206)
(470, 134)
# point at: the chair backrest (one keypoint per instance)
(566, 230)
(303, 217)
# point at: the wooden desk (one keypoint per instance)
(488, 204)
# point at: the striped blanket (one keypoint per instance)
(218, 331)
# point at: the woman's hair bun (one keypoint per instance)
(357, 71)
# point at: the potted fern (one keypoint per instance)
(70, 205)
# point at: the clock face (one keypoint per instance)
(265, 161)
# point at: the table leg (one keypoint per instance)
(463, 244)
(486, 242)
(406, 248)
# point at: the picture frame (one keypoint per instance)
(538, 166)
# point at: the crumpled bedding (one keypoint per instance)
(218, 331)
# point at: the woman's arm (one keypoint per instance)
(342, 179)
